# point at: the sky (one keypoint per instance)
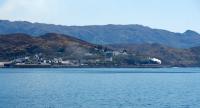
(173, 15)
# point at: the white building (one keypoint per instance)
(116, 53)
(3, 63)
(66, 62)
(88, 54)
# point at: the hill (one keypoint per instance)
(107, 34)
(169, 56)
(50, 45)
(54, 49)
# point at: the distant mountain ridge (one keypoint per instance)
(107, 34)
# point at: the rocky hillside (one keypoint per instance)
(169, 56)
(59, 49)
(50, 45)
(107, 34)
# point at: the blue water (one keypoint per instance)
(100, 88)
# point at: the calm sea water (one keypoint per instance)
(100, 88)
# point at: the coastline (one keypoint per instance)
(159, 66)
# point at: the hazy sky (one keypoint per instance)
(173, 15)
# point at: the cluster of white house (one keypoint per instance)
(108, 57)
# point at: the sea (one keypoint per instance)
(100, 88)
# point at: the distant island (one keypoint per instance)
(24, 44)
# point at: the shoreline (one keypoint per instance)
(118, 67)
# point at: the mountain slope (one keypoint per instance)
(169, 56)
(50, 45)
(107, 34)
